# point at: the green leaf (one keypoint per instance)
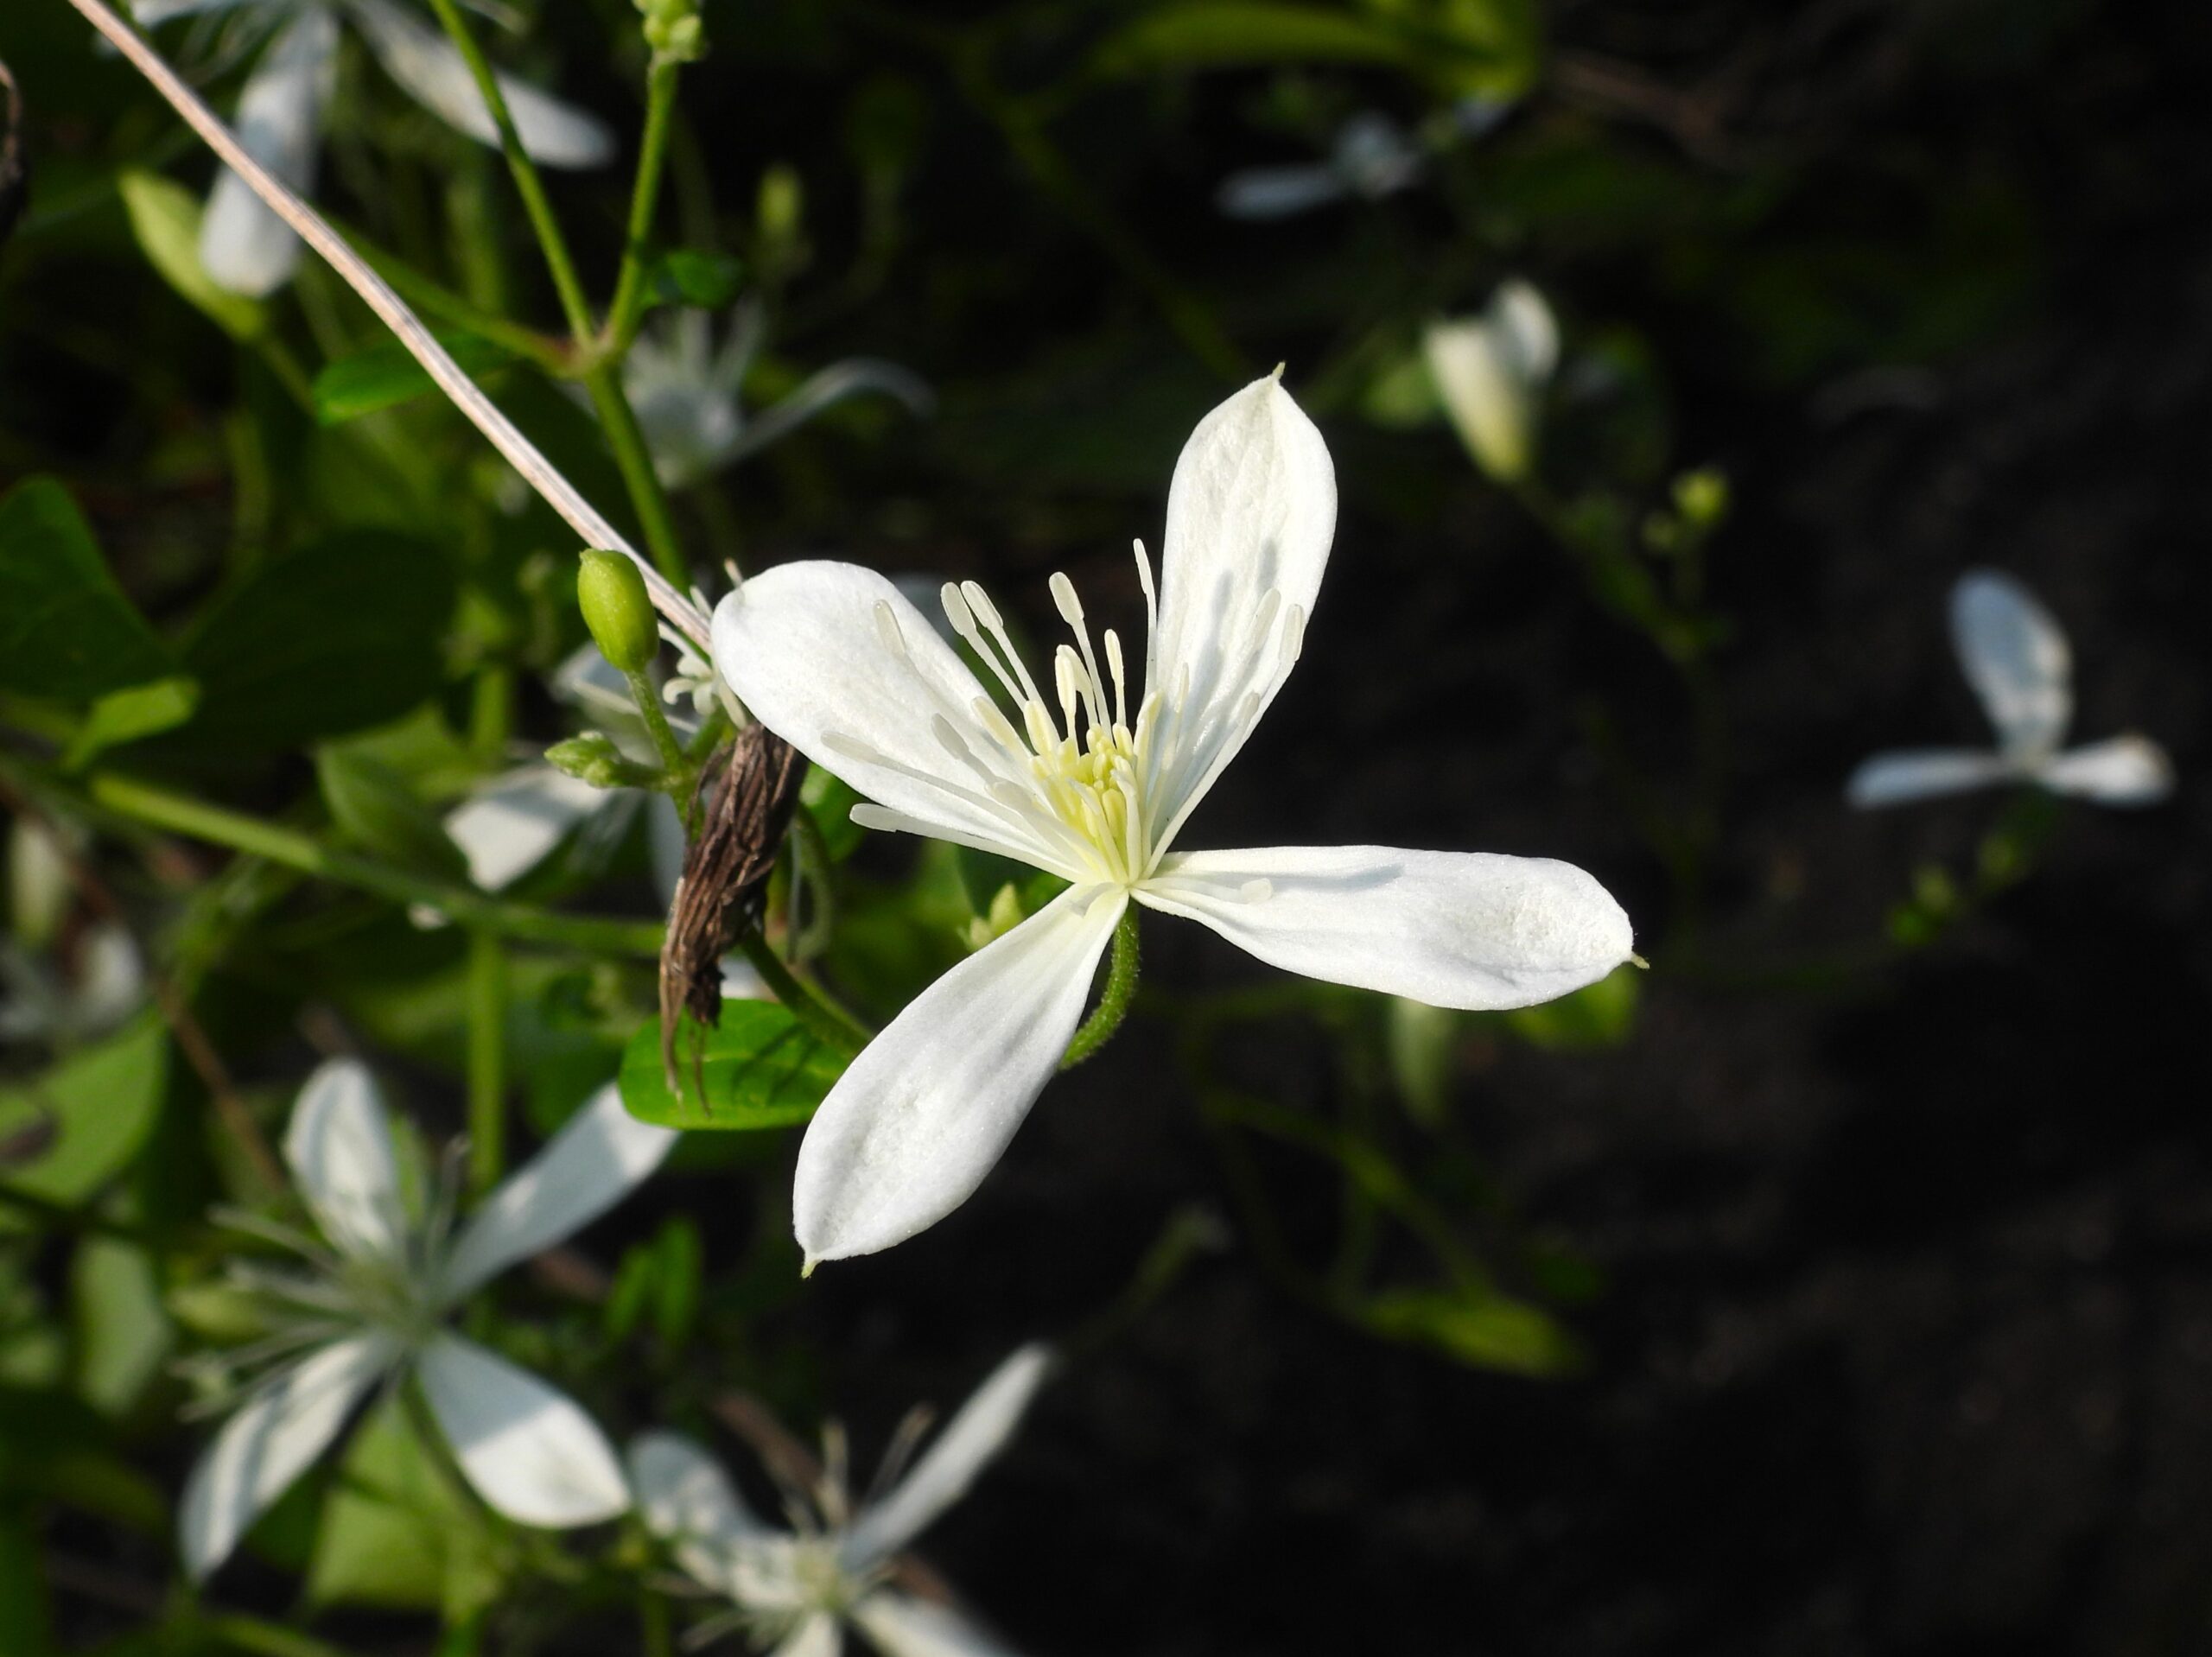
(684, 276)
(135, 711)
(375, 809)
(123, 1330)
(384, 375)
(394, 1533)
(165, 217)
(1602, 1014)
(100, 1103)
(759, 1068)
(1480, 1328)
(65, 630)
(341, 635)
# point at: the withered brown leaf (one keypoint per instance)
(746, 795)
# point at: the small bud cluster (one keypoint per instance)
(673, 31)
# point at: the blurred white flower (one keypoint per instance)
(795, 1590)
(685, 392)
(2016, 658)
(54, 987)
(243, 245)
(1094, 788)
(1371, 158)
(101, 983)
(1491, 371)
(382, 1278)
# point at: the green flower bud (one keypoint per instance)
(611, 594)
(592, 758)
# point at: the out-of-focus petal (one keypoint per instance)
(340, 1149)
(508, 829)
(818, 1636)
(1467, 929)
(2016, 658)
(966, 1446)
(436, 76)
(530, 1451)
(2122, 771)
(925, 1112)
(1279, 192)
(245, 248)
(284, 1424)
(826, 388)
(901, 1625)
(1919, 774)
(600, 1154)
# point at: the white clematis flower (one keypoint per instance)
(685, 392)
(1371, 158)
(373, 1307)
(1491, 371)
(248, 250)
(2017, 660)
(1093, 783)
(794, 1590)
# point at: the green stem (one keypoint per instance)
(487, 1059)
(626, 440)
(644, 197)
(160, 808)
(574, 306)
(1114, 1001)
(673, 759)
(653, 1637)
(824, 1023)
(602, 377)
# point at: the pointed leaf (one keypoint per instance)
(67, 631)
(758, 1066)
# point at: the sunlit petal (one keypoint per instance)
(600, 1154)
(1466, 929)
(2121, 770)
(968, 1443)
(530, 1451)
(925, 1112)
(284, 1424)
(340, 1149)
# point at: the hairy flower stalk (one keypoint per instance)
(1091, 772)
(382, 1277)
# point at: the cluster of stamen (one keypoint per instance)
(1097, 790)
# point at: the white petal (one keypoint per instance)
(681, 1491)
(803, 647)
(903, 1627)
(284, 1425)
(1467, 929)
(599, 1155)
(437, 77)
(1251, 512)
(152, 14)
(530, 1451)
(1528, 334)
(244, 247)
(818, 1636)
(967, 1445)
(2123, 770)
(1279, 192)
(910, 1129)
(2016, 658)
(339, 1146)
(508, 829)
(1919, 773)
(1374, 155)
(1482, 369)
